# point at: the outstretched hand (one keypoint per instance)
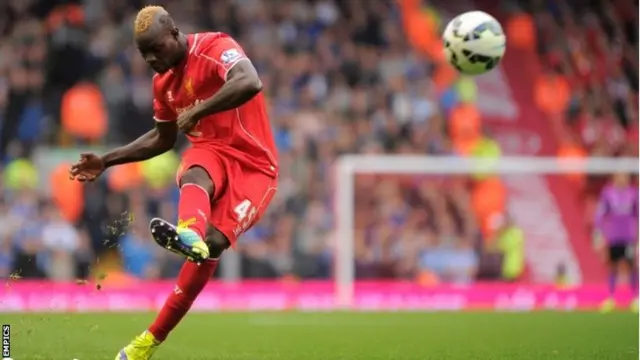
(88, 168)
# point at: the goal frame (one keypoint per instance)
(347, 167)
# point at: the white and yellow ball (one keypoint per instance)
(474, 42)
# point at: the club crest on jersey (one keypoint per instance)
(230, 56)
(188, 87)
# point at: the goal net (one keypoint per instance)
(542, 196)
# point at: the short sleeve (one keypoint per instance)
(226, 52)
(161, 110)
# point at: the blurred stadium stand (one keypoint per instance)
(342, 77)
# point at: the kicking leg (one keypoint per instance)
(191, 281)
(187, 239)
(194, 211)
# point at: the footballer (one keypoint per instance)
(206, 87)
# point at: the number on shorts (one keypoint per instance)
(245, 213)
(242, 209)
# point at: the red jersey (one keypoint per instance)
(244, 133)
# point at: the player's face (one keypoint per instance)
(161, 52)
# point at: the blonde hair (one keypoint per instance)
(145, 17)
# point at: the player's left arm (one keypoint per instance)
(601, 209)
(241, 84)
(600, 213)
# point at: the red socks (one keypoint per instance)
(194, 208)
(191, 280)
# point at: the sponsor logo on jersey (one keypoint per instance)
(180, 110)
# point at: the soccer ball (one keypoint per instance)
(474, 42)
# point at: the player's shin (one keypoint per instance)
(191, 280)
(609, 303)
(194, 208)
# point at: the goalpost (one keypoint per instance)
(348, 166)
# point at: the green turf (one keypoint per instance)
(327, 336)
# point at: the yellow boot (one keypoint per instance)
(142, 347)
(608, 305)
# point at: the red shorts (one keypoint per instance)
(241, 196)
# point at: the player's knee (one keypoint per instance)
(197, 176)
(217, 242)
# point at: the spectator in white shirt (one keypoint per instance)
(61, 240)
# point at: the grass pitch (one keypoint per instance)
(335, 336)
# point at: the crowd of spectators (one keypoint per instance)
(593, 70)
(594, 66)
(340, 77)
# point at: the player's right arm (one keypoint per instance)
(159, 140)
(155, 142)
